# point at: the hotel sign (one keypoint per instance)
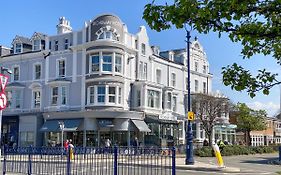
(106, 22)
(167, 116)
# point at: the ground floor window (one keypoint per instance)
(26, 138)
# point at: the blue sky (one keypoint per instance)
(26, 17)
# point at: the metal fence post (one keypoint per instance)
(173, 161)
(4, 163)
(115, 160)
(280, 153)
(29, 170)
(68, 165)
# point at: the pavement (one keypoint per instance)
(200, 166)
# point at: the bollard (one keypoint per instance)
(218, 155)
(279, 153)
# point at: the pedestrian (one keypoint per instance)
(205, 143)
(107, 145)
(71, 149)
(221, 145)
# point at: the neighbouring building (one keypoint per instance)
(270, 136)
(98, 83)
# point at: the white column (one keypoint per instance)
(83, 86)
(74, 66)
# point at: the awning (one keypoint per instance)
(105, 123)
(53, 125)
(141, 125)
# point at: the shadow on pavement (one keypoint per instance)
(261, 160)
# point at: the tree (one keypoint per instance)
(254, 23)
(249, 120)
(209, 110)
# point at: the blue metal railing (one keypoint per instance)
(90, 160)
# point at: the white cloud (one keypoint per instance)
(270, 107)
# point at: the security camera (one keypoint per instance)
(5, 69)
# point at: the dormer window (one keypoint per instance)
(108, 33)
(36, 45)
(18, 48)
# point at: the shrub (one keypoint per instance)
(230, 150)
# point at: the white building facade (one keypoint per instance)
(103, 83)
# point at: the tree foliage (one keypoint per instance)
(249, 120)
(256, 24)
(209, 110)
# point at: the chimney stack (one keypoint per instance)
(63, 26)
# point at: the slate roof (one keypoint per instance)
(21, 39)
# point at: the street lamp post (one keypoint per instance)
(188, 130)
(62, 129)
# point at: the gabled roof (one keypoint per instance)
(38, 35)
(21, 39)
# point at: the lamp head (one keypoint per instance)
(5, 69)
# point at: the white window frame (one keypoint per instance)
(158, 77)
(89, 95)
(169, 101)
(34, 71)
(153, 96)
(15, 48)
(196, 86)
(107, 63)
(59, 96)
(174, 103)
(112, 95)
(204, 69)
(54, 96)
(118, 66)
(102, 95)
(196, 66)
(204, 87)
(34, 98)
(34, 46)
(119, 95)
(13, 74)
(58, 67)
(143, 49)
(173, 79)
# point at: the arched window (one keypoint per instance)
(108, 33)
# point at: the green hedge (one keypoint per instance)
(231, 150)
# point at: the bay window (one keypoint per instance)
(153, 99)
(169, 100)
(105, 94)
(59, 95)
(101, 94)
(95, 63)
(105, 62)
(111, 94)
(118, 63)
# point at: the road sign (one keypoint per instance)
(3, 81)
(3, 100)
(190, 115)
